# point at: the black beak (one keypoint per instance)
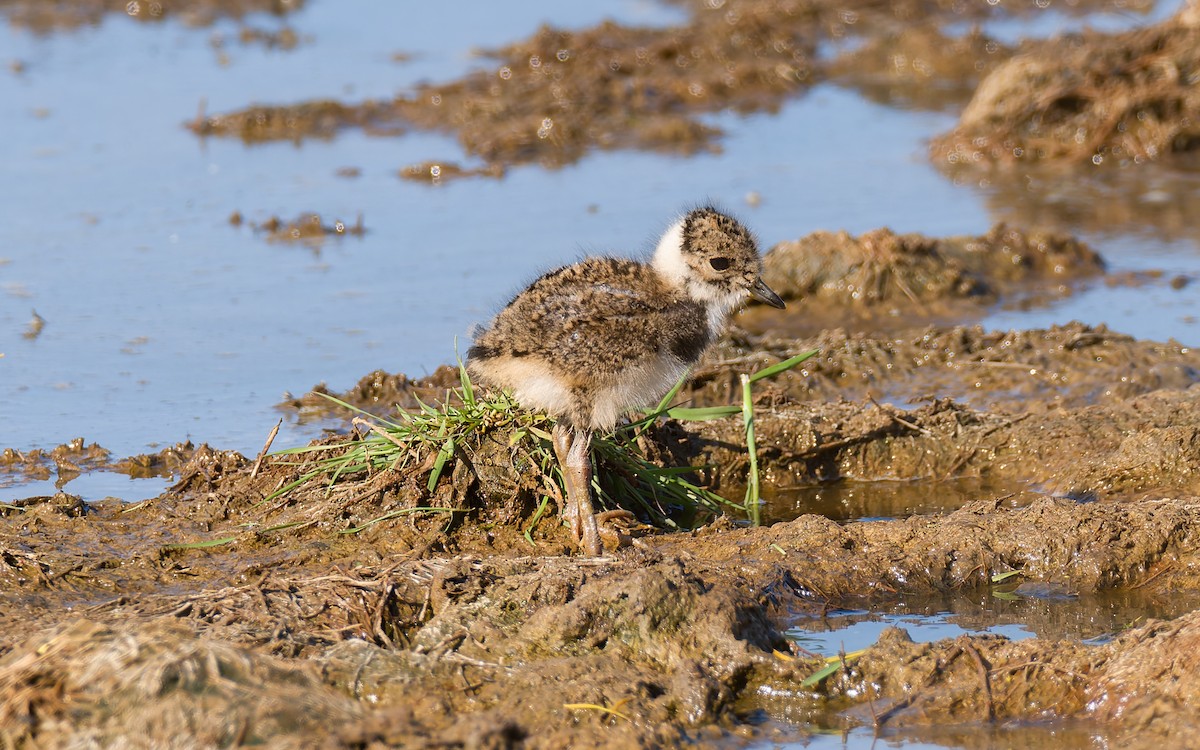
(764, 293)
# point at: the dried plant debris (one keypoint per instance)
(1087, 98)
(43, 16)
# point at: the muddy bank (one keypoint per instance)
(1035, 370)
(555, 96)
(1021, 371)
(1088, 98)
(558, 94)
(380, 611)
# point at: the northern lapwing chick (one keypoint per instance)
(589, 342)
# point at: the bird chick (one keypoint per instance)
(589, 342)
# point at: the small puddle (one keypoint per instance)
(90, 486)
(1015, 611)
(846, 501)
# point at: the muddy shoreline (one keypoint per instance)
(344, 615)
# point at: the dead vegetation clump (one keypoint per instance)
(1087, 98)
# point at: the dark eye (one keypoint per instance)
(719, 264)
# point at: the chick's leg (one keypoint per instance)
(573, 449)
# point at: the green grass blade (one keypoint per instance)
(815, 678)
(357, 410)
(702, 414)
(468, 391)
(752, 489)
(671, 394)
(833, 664)
(1002, 577)
(537, 516)
(783, 366)
(439, 463)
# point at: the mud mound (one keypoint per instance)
(551, 98)
(1123, 98)
(1122, 687)
(377, 392)
(663, 645)
(881, 268)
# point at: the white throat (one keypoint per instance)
(668, 258)
(668, 262)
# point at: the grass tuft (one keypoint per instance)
(433, 439)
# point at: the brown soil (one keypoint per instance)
(1088, 98)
